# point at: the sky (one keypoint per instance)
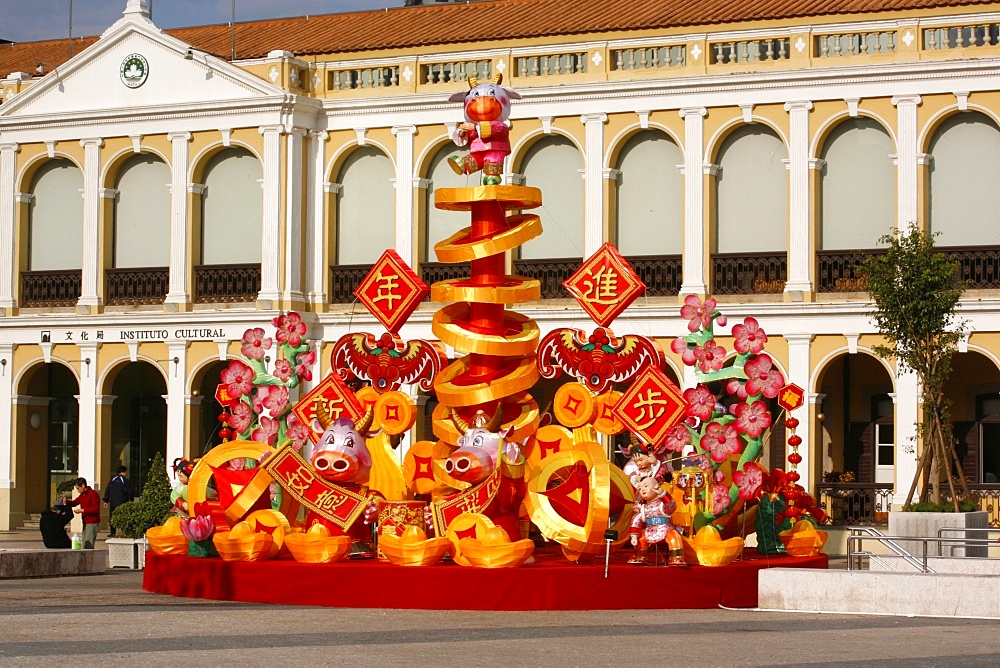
(32, 20)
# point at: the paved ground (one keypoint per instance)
(109, 620)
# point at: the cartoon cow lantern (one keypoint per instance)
(482, 449)
(487, 106)
(341, 457)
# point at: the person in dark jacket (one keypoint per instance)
(53, 527)
(118, 491)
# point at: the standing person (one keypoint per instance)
(88, 503)
(119, 491)
(53, 526)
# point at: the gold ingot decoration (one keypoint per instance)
(317, 546)
(413, 548)
(574, 405)
(515, 290)
(466, 525)
(606, 422)
(395, 412)
(525, 423)
(270, 522)
(167, 539)
(459, 247)
(241, 543)
(507, 197)
(803, 539)
(495, 550)
(520, 375)
(519, 335)
(708, 549)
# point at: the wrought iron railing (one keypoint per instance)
(749, 273)
(840, 271)
(432, 272)
(136, 286)
(987, 497)
(550, 273)
(979, 266)
(346, 277)
(855, 503)
(216, 283)
(50, 288)
(662, 274)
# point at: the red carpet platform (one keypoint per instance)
(551, 583)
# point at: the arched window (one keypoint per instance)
(55, 218)
(965, 181)
(366, 218)
(858, 203)
(752, 192)
(142, 213)
(232, 209)
(650, 203)
(553, 165)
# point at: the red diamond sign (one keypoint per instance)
(391, 291)
(651, 406)
(791, 396)
(605, 285)
(338, 398)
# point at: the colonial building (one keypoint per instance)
(161, 191)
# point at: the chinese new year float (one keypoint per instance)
(510, 507)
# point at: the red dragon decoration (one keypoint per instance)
(598, 361)
(389, 362)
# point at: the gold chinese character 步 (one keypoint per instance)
(651, 408)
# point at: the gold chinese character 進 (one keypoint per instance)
(602, 287)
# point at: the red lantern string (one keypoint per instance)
(792, 491)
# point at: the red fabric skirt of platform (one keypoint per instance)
(552, 583)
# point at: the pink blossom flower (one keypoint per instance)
(678, 439)
(275, 399)
(198, 528)
(304, 363)
(290, 328)
(750, 480)
(680, 346)
(699, 314)
(749, 337)
(296, 431)
(720, 499)
(720, 440)
(735, 386)
(283, 370)
(701, 402)
(267, 432)
(241, 416)
(761, 378)
(238, 378)
(254, 343)
(710, 357)
(752, 419)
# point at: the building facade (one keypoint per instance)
(163, 191)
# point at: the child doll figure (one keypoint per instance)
(651, 523)
(178, 495)
(644, 462)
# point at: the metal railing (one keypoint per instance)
(218, 283)
(749, 273)
(856, 554)
(146, 285)
(551, 274)
(855, 503)
(50, 288)
(344, 279)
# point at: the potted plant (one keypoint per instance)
(133, 518)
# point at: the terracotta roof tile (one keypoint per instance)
(489, 20)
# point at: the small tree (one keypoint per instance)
(916, 292)
(152, 508)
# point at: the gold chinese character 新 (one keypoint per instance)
(602, 287)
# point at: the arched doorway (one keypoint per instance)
(138, 420)
(205, 410)
(973, 390)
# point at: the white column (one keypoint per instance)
(593, 174)
(907, 400)
(316, 270)
(88, 407)
(404, 191)
(176, 404)
(180, 291)
(694, 202)
(292, 289)
(271, 234)
(8, 222)
(798, 373)
(800, 234)
(906, 161)
(89, 290)
(6, 415)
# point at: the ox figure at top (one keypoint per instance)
(485, 132)
(341, 457)
(482, 448)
